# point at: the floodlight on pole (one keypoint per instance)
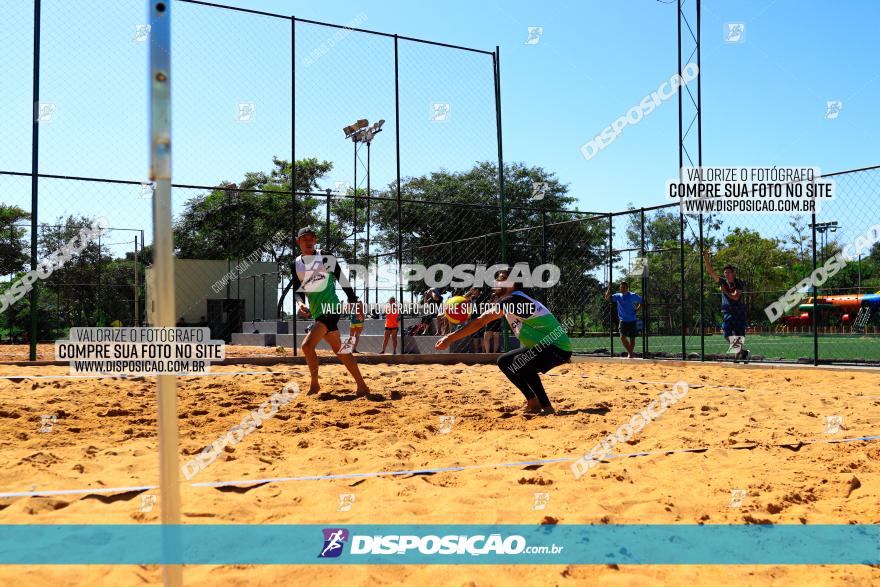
(371, 132)
(822, 229)
(362, 133)
(353, 130)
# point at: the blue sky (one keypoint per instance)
(764, 99)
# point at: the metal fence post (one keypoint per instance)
(99, 302)
(700, 163)
(645, 316)
(497, 66)
(367, 242)
(680, 164)
(292, 176)
(35, 170)
(354, 207)
(227, 214)
(543, 234)
(399, 216)
(702, 295)
(681, 274)
(610, 281)
(815, 299)
(412, 259)
(136, 302)
(327, 224)
(496, 63)
(11, 311)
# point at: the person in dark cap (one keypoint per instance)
(314, 285)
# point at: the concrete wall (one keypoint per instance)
(195, 282)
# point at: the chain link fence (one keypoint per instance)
(264, 110)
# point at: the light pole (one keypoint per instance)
(362, 133)
(136, 271)
(354, 132)
(860, 273)
(228, 189)
(822, 228)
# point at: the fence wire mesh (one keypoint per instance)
(260, 152)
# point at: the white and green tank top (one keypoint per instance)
(318, 283)
(532, 322)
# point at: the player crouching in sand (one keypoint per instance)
(544, 342)
(315, 280)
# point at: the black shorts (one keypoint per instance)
(630, 329)
(331, 321)
(391, 328)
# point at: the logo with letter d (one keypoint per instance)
(334, 542)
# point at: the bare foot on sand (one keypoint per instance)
(533, 406)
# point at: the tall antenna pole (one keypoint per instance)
(690, 145)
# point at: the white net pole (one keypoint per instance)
(160, 173)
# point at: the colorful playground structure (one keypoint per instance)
(859, 312)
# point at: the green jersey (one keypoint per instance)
(532, 322)
(315, 280)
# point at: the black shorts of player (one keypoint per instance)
(525, 374)
(331, 321)
(391, 329)
(629, 329)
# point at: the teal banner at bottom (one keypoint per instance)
(420, 544)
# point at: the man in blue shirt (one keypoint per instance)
(628, 305)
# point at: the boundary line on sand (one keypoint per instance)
(237, 483)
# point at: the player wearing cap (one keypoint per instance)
(314, 284)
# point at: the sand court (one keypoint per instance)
(449, 444)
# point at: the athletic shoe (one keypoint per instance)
(746, 356)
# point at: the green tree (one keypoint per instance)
(76, 293)
(662, 290)
(453, 218)
(765, 265)
(456, 214)
(14, 250)
(799, 238)
(233, 221)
